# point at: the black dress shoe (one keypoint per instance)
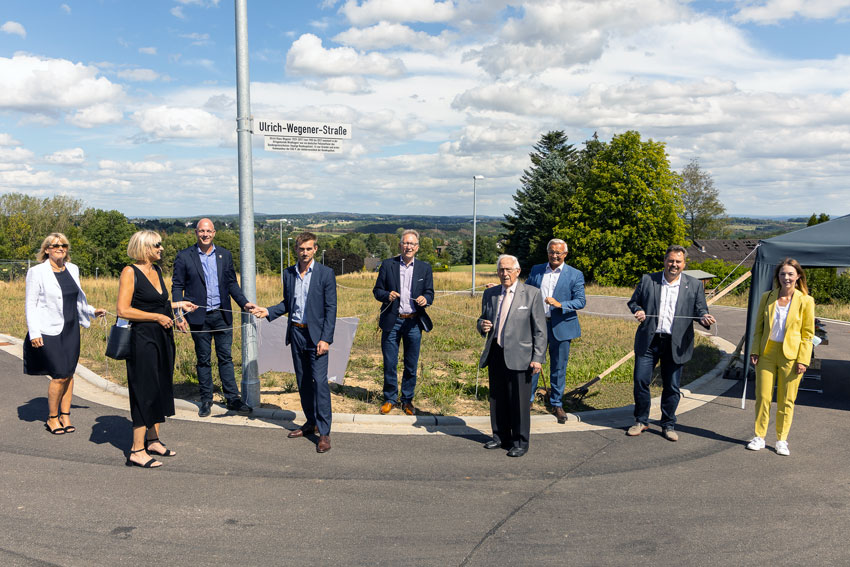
(239, 406)
(205, 408)
(493, 444)
(517, 452)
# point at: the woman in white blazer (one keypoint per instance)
(782, 350)
(56, 307)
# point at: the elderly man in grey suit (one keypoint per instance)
(666, 304)
(514, 322)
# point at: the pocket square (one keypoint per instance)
(522, 307)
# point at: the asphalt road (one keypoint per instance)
(249, 496)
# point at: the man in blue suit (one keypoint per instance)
(204, 275)
(309, 297)
(562, 289)
(404, 287)
(666, 304)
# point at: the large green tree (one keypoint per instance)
(546, 189)
(101, 246)
(26, 220)
(624, 212)
(704, 214)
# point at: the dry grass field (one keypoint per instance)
(448, 361)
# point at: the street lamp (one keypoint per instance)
(474, 224)
(288, 262)
(342, 269)
(323, 257)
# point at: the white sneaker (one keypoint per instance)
(756, 444)
(782, 448)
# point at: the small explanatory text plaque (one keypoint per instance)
(293, 136)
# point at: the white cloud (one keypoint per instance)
(15, 155)
(14, 28)
(96, 115)
(308, 57)
(65, 8)
(167, 122)
(177, 12)
(148, 50)
(40, 85)
(350, 85)
(140, 75)
(384, 35)
(8, 140)
(72, 156)
(774, 11)
(203, 3)
(373, 11)
(111, 167)
(198, 38)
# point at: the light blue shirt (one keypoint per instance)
(302, 288)
(405, 276)
(210, 267)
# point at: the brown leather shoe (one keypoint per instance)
(387, 407)
(302, 431)
(560, 414)
(324, 444)
(408, 409)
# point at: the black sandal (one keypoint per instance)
(56, 431)
(168, 452)
(147, 465)
(69, 428)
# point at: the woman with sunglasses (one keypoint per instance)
(143, 300)
(55, 307)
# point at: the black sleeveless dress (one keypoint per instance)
(59, 356)
(150, 368)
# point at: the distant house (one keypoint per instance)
(730, 251)
(371, 264)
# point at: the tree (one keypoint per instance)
(546, 188)
(817, 219)
(704, 214)
(456, 252)
(624, 212)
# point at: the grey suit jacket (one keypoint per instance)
(525, 329)
(690, 303)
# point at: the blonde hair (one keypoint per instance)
(42, 253)
(140, 243)
(801, 279)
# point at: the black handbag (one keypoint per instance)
(118, 344)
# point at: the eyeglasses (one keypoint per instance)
(55, 246)
(558, 254)
(506, 270)
(158, 245)
(410, 244)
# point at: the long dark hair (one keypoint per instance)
(801, 281)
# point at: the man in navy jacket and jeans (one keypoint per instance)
(204, 275)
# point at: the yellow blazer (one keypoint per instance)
(799, 326)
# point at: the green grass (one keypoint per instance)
(480, 269)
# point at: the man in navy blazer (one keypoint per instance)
(204, 275)
(666, 304)
(562, 289)
(405, 286)
(309, 297)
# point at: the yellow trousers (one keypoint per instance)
(774, 368)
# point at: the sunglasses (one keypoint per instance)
(55, 246)
(158, 245)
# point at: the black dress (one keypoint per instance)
(150, 368)
(59, 356)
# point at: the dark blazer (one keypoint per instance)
(690, 303)
(390, 280)
(320, 311)
(188, 283)
(525, 328)
(569, 291)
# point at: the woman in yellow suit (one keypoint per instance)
(783, 340)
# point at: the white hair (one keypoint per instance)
(557, 241)
(508, 256)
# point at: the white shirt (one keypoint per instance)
(547, 285)
(777, 329)
(405, 278)
(667, 304)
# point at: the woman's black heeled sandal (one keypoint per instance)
(57, 431)
(168, 452)
(68, 428)
(148, 465)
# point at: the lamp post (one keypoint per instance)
(342, 269)
(288, 263)
(323, 257)
(474, 226)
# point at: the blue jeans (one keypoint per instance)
(408, 332)
(559, 355)
(214, 327)
(311, 373)
(671, 374)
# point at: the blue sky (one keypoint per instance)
(130, 105)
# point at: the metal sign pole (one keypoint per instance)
(248, 269)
